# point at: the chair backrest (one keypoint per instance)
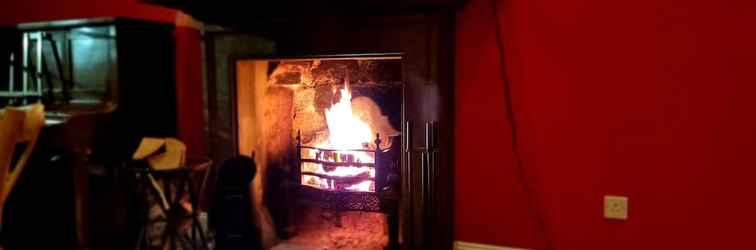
(18, 125)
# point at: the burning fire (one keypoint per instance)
(346, 133)
(346, 130)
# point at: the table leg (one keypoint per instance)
(80, 176)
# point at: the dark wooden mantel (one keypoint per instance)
(231, 13)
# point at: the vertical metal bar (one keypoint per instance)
(45, 70)
(69, 57)
(298, 163)
(380, 171)
(428, 182)
(425, 208)
(407, 192)
(408, 136)
(408, 152)
(11, 70)
(424, 179)
(429, 143)
(38, 74)
(24, 61)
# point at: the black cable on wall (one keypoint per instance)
(515, 143)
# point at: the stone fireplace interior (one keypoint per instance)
(325, 134)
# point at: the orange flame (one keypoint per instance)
(346, 132)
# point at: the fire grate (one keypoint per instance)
(382, 197)
(343, 201)
(336, 194)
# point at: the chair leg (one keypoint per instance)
(80, 176)
(196, 226)
(142, 240)
(173, 240)
(142, 243)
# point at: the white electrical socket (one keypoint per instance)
(615, 207)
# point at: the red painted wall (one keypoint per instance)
(188, 50)
(47, 10)
(484, 161)
(649, 99)
(189, 90)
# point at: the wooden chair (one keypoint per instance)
(174, 193)
(19, 129)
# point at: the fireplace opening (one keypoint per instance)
(325, 134)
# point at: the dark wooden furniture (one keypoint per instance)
(19, 131)
(177, 185)
(72, 172)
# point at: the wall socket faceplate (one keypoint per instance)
(615, 207)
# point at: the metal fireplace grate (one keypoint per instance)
(383, 198)
(337, 197)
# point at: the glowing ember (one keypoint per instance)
(346, 133)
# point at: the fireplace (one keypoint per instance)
(281, 91)
(324, 134)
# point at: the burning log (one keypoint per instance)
(326, 164)
(364, 176)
